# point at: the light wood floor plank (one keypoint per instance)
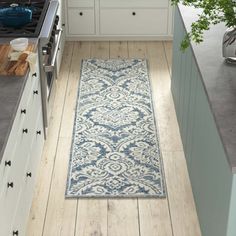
(92, 217)
(100, 50)
(182, 207)
(81, 51)
(39, 205)
(57, 205)
(137, 49)
(168, 51)
(119, 49)
(123, 217)
(154, 217)
(164, 106)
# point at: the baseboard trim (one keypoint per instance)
(119, 38)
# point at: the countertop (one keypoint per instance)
(11, 89)
(219, 80)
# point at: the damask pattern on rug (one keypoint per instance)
(115, 148)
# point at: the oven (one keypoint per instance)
(49, 41)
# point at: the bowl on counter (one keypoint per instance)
(19, 44)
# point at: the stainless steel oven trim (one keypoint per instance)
(50, 17)
(50, 67)
(44, 37)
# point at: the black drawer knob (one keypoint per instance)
(63, 24)
(81, 13)
(16, 232)
(10, 184)
(34, 75)
(28, 174)
(35, 92)
(7, 163)
(23, 111)
(38, 132)
(134, 13)
(25, 131)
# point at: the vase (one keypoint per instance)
(229, 45)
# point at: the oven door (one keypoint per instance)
(48, 78)
(50, 65)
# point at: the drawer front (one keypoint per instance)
(81, 3)
(81, 21)
(133, 3)
(23, 208)
(12, 183)
(134, 21)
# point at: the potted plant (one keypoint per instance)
(213, 12)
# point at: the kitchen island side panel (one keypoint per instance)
(232, 211)
(210, 175)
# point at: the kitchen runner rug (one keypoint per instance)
(115, 148)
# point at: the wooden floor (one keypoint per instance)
(52, 215)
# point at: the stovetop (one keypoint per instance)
(32, 29)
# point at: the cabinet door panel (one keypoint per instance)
(23, 208)
(12, 184)
(211, 177)
(186, 95)
(81, 21)
(177, 62)
(133, 21)
(192, 115)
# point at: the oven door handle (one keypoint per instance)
(50, 68)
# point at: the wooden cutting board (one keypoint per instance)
(7, 66)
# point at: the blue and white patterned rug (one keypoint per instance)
(115, 148)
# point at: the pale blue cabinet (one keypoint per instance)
(211, 178)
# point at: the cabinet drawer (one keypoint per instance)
(133, 3)
(81, 21)
(12, 182)
(81, 3)
(134, 21)
(23, 208)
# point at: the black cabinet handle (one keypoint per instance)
(133, 13)
(10, 184)
(28, 174)
(7, 163)
(63, 24)
(38, 132)
(15, 232)
(34, 75)
(81, 13)
(35, 92)
(23, 111)
(25, 131)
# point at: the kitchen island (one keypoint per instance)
(204, 93)
(21, 143)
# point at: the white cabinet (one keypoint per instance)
(118, 19)
(18, 166)
(81, 21)
(81, 17)
(136, 20)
